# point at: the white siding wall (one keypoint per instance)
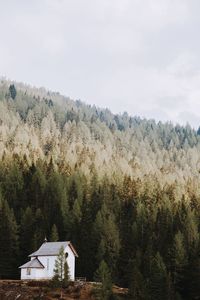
(71, 262)
(35, 274)
(24, 274)
(40, 274)
(49, 264)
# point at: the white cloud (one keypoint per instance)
(141, 56)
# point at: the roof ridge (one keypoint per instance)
(57, 242)
(53, 248)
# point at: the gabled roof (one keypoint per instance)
(34, 264)
(52, 248)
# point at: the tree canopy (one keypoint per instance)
(124, 190)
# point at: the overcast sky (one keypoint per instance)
(139, 56)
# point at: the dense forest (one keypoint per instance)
(124, 190)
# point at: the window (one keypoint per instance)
(28, 271)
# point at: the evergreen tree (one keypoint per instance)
(103, 275)
(12, 91)
(191, 230)
(137, 289)
(12, 187)
(129, 241)
(8, 242)
(27, 230)
(39, 226)
(54, 234)
(109, 243)
(191, 288)
(91, 239)
(60, 271)
(179, 262)
(159, 281)
(66, 275)
(55, 200)
(36, 191)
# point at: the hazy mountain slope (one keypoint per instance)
(42, 124)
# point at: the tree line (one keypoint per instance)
(148, 240)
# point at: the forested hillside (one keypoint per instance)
(124, 190)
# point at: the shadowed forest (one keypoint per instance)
(124, 190)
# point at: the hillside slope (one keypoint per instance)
(124, 191)
(24, 290)
(38, 124)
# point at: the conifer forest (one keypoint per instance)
(124, 190)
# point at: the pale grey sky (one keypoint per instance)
(139, 56)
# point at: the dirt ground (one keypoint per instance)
(32, 290)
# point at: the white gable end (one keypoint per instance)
(70, 261)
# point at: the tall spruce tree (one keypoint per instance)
(159, 280)
(103, 275)
(137, 288)
(128, 236)
(179, 262)
(39, 226)
(90, 238)
(26, 234)
(12, 91)
(61, 271)
(8, 242)
(109, 243)
(54, 234)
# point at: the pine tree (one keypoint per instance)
(159, 280)
(56, 201)
(90, 238)
(191, 230)
(108, 233)
(179, 261)
(12, 91)
(137, 288)
(66, 275)
(39, 226)
(129, 240)
(26, 233)
(12, 188)
(36, 191)
(103, 275)
(54, 234)
(61, 271)
(8, 241)
(192, 278)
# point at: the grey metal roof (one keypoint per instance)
(34, 264)
(52, 248)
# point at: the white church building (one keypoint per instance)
(42, 263)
